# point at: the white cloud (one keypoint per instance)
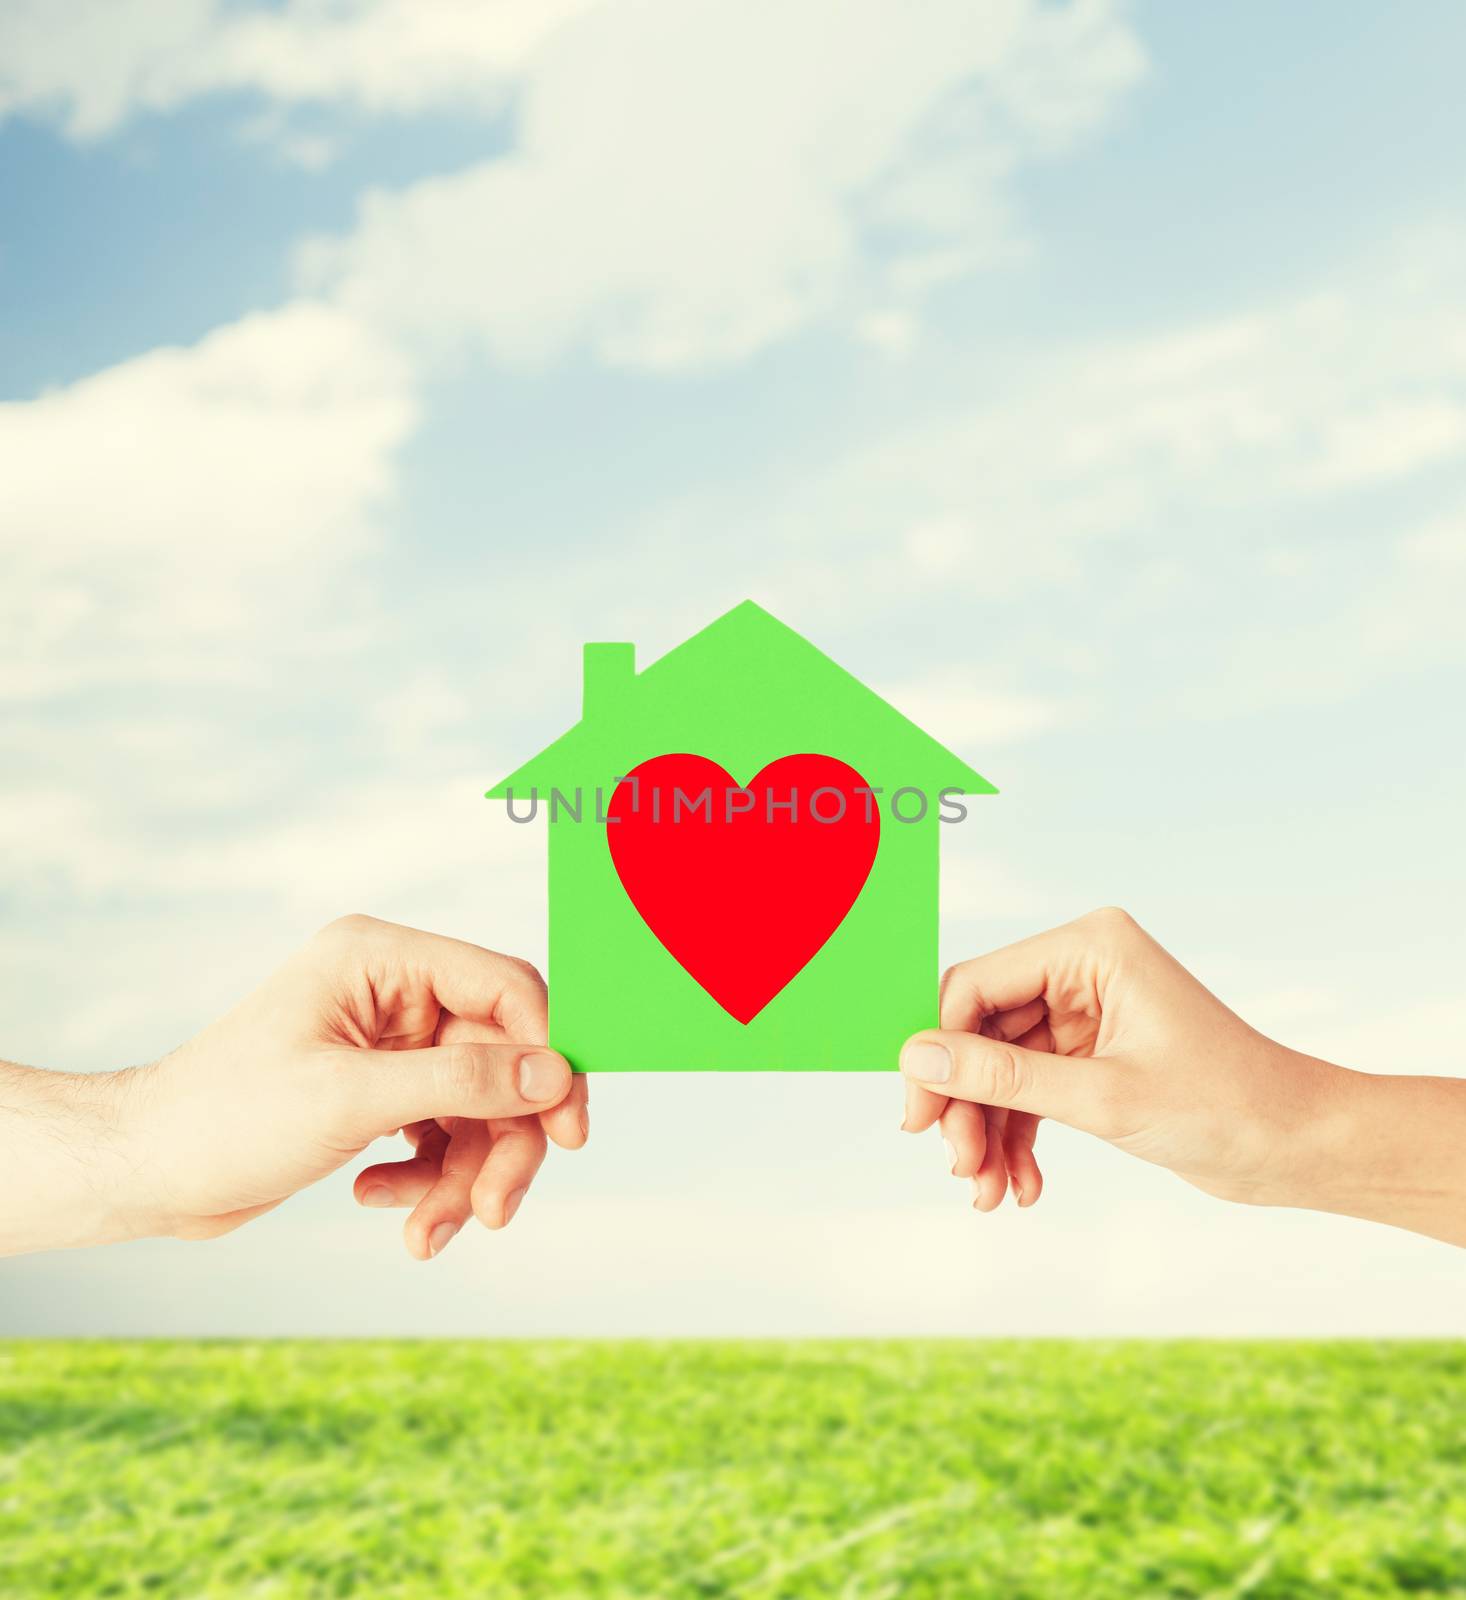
(1277, 403)
(1390, 441)
(1281, 401)
(1441, 543)
(893, 332)
(1142, 467)
(982, 887)
(93, 64)
(969, 716)
(163, 515)
(1167, 506)
(342, 846)
(1143, 480)
(692, 182)
(375, 847)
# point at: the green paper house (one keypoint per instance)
(743, 692)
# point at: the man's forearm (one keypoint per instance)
(64, 1170)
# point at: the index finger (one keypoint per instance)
(1013, 978)
(1003, 980)
(483, 985)
(568, 1123)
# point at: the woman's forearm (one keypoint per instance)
(1394, 1151)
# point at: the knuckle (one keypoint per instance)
(343, 930)
(465, 1075)
(1112, 920)
(1004, 1074)
(528, 971)
(955, 994)
(961, 973)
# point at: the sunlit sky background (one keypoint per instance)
(1089, 378)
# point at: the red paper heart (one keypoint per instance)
(742, 891)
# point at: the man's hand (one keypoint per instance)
(1096, 1026)
(369, 1029)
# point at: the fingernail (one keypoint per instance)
(930, 1063)
(438, 1239)
(904, 1128)
(511, 1205)
(378, 1195)
(1018, 1194)
(585, 1124)
(540, 1077)
(951, 1150)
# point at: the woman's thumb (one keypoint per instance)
(970, 1066)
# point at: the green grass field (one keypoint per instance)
(905, 1469)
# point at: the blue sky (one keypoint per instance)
(1091, 379)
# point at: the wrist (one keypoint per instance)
(1301, 1120)
(1334, 1140)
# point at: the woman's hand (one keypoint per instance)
(369, 1029)
(1096, 1026)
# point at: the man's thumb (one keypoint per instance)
(970, 1066)
(390, 1088)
